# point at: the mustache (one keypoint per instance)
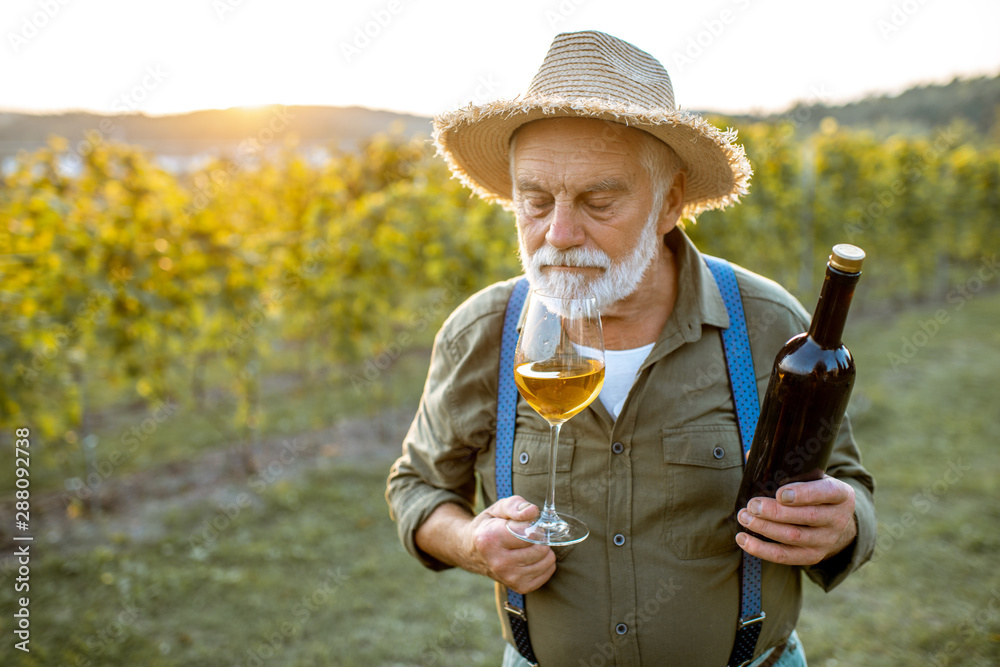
(573, 257)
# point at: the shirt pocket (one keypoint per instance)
(704, 466)
(531, 469)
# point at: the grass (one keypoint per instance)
(307, 570)
(925, 408)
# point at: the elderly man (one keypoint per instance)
(599, 169)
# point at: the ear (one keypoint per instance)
(673, 203)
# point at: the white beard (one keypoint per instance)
(617, 281)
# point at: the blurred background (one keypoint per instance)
(226, 245)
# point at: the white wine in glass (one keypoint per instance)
(559, 370)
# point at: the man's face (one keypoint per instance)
(584, 208)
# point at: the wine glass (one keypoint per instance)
(559, 370)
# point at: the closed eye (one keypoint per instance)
(538, 205)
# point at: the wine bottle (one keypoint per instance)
(807, 394)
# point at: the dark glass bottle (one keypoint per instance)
(807, 394)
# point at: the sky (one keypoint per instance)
(428, 56)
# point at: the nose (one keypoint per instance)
(565, 229)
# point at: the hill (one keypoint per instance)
(919, 110)
(210, 130)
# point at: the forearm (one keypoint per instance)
(444, 536)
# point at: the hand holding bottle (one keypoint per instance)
(800, 418)
(808, 521)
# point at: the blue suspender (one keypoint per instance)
(736, 343)
(739, 361)
(506, 416)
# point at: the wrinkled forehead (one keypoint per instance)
(594, 134)
(576, 155)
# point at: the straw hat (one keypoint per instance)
(594, 75)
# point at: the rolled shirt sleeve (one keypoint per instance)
(845, 465)
(455, 421)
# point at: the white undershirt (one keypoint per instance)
(620, 370)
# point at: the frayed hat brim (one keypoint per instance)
(475, 142)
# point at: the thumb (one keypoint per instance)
(516, 508)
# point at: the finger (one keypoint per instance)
(523, 555)
(529, 584)
(786, 533)
(525, 574)
(535, 557)
(776, 552)
(491, 536)
(515, 508)
(825, 491)
(768, 509)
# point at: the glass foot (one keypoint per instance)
(559, 531)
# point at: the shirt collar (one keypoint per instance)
(698, 301)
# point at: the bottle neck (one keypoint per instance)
(828, 321)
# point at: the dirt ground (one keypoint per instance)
(136, 505)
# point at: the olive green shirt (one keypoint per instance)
(657, 580)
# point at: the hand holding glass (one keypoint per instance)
(559, 370)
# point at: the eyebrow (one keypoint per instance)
(526, 185)
(605, 185)
(608, 185)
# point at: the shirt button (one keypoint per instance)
(718, 452)
(621, 628)
(618, 448)
(619, 540)
(523, 458)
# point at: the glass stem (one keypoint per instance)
(549, 511)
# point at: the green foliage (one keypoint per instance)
(923, 209)
(126, 286)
